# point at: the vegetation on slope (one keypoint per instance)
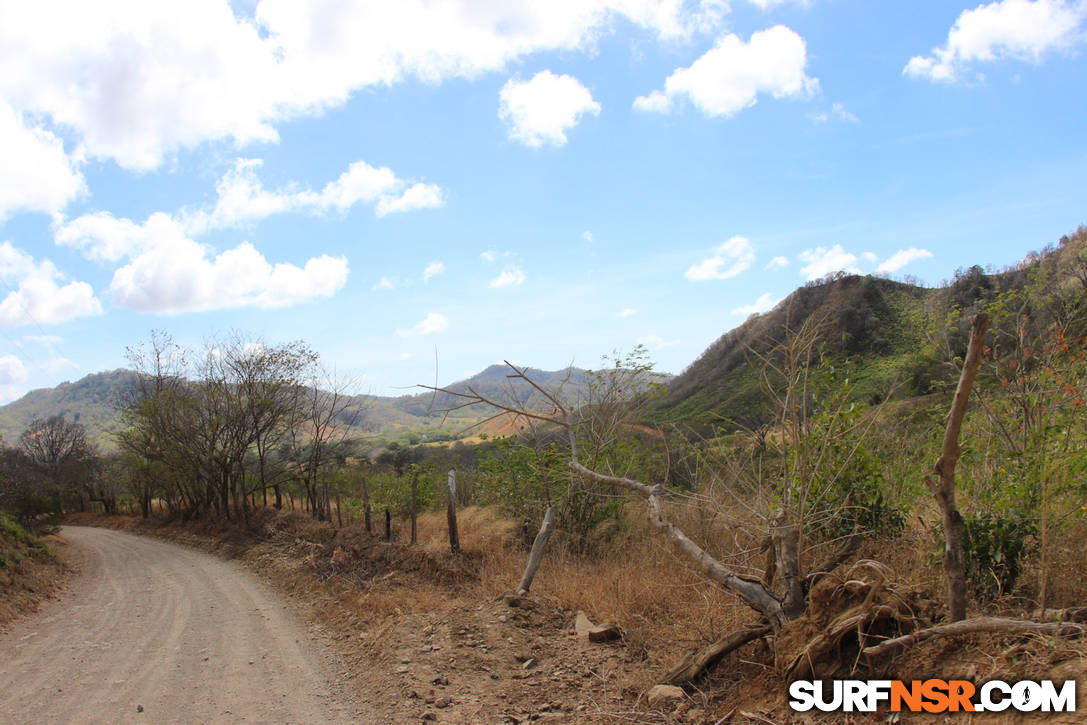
(29, 571)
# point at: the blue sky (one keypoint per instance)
(537, 181)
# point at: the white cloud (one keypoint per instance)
(12, 370)
(169, 273)
(35, 173)
(777, 263)
(764, 303)
(134, 81)
(821, 261)
(837, 112)
(178, 276)
(137, 81)
(104, 238)
(729, 77)
(1017, 29)
(488, 256)
(383, 284)
(628, 312)
(653, 342)
(432, 269)
(242, 198)
(511, 276)
(36, 295)
(728, 260)
(587, 236)
(902, 257)
(542, 110)
(360, 182)
(12, 378)
(869, 257)
(431, 324)
(416, 196)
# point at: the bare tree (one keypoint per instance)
(268, 382)
(319, 428)
(60, 449)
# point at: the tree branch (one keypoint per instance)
(968, 626)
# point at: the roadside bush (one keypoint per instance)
(995, 544)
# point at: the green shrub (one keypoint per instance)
(994, 546)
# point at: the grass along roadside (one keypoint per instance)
(33, 569)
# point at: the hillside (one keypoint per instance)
(92, 401)
(889, 332)
(872, 321)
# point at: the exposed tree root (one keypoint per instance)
(846, 612)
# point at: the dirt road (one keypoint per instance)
(153, 632)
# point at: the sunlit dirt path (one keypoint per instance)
(157, 633)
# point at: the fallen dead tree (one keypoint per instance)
(970, 626)
(698, 662)
(749, 590)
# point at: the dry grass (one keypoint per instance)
(1068, 579)
(665, 607)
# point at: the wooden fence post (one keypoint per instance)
(451, 513)
(388, 526)
(414, 500)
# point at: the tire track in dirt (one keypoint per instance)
(187, 637)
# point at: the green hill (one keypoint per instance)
(872, 321)
(895, 336)
(92, 401)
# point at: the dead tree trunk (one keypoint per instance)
(969, 626)
(750, 591)
(942, 482)
(786, 542)
(539, 545)
(451, 513)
